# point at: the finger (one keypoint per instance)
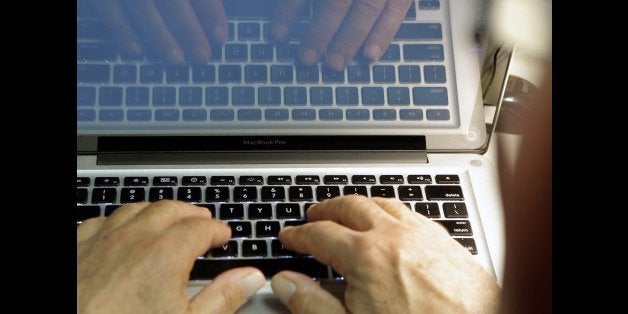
(353, 211)
(284, 17)
(392, 206)
(184, 25)
(385, 28)
(301, 294)
(357, 25)
(329, 242)
(118, 24)
(154, 29)
(193, 236)
(328, 17)
(161, 215)
(123, 215)
(227, 292)
(211, 15)
(88, 228)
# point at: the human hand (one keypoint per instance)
(173, 28)
(393, 260)
(139, 260)
(350, 23)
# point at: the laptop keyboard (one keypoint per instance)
(253, 82)
(258, 207)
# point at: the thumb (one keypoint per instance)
(301, 294)
(227, 292)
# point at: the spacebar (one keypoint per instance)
(208, 269)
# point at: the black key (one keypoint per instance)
(125, 73)
(419, 31)
(165, 181)
(189, 194)
(92, 73)
(269, 96)
(294, 223)
(287, 52)
(382, 191)
(455, 210)
(243, 96)
(321, 96)
(228, 250)
(281, 74)
(137, 96)
(363, 179)
(254, 248)
(277, 249)
(355, 190)
(132, 195)
(229, 73)
(231, 211)
(158, 194)
(104, 195)
(383, 74)
(457, 228)
(391, 179)
(295, 96)
(435, 74)
(300, 193)
(429, 210)
(447, 179)
(420, 179)
(248, 31)
(231, 32)
(106, 181)
(411, 14)
(136, 181)
(273, 193)
(280, 180)
(407, 205)
(240, 229)
(260, 211)
(288, 211)
(347, 96)
(372, 95)
(110, 96)
(203, 73)
(429, 5)
(468, 244)
(307, 206)
(398, 95)
(87, 212)
(236, 53)
(254, 73)
(410, 193)
(392, 53)
(96, 51)
(409, 74)
(266, 229)
(109, 209)
(244, 194)
(359, 73)
(251, 180)
(209, 269)
(307, 74)
(151, 73)
(217, 194)
(194, 180)
(210, 207)
(216, 96)
(261, 53)
(341, 179)
(222, 180)
(82, 181)
(164, 96)
(444, 193)
(324, 192)
(190, 96)
(308, 180)
(85, 96)
(333, 76)
(423, 52)
(81, 196)
(178, 74)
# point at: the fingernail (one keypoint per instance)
(174, 55)
(309, 56)
(281, 32)
(219, 34)
(201, 54)
(283, 288)
(336, 62)
(251, 283)
(373, 52)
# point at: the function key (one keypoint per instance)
(391, 179)
(251, 180)
(361, 179)
(107, 181)
(447, 179)
(279, 180)
(165, 181)
(194, 180)
(335, 179)
(222, 180)
(136, 181)
(308, 180)
(82, 181)
(420, 179)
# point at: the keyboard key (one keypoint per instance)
(287, 52)
(300, 193)
(110, 96)
(308, 180)
(262, 53)
(138, 115)
(190, 96)
(358, 114)
(178, 74)
(269, 96)
(363, 179)
(391, 179)
(444, 193)
(110, 115)
(321, 96)
(429, 4)
(326, 192)
(447, 179)
(335, 179)
(359, 73)
(132, 195)
(209, 269)
(194, 180)
(249, 31)
(410, 193)
(82, 181)
(137, 96)
(437, 114)
(382, 191)
(87, 212)
(411, 14)
(228, 250)
(281, 74)
(276, 114)
(125, 73)
(264, 229)
(423, 52)
(230, 32)
(332, 76)
(434, 74)
(254, 73)
(429, 210)
(420, 179)
(167, 115)
(151, 73)
(231, 211)
(251, 180)
(455, 210)
(252, 248)
(249, 114)
(221, 115)
(355, 190)
(106, 181)
(430, 95)
(277, 249)
(158, 194)
(92, 73)
(288, 211)
(81, 196)
(236, 53)
(104, 195)
(398, 95)
(164, 96)
(260, 211)
(96, 52)
(330, 114)
(295, 96)
(411, 114)
(307, 74)
(217, 194)
(244, 194)
(273, 193)
(210, 207)
(419, 31)
(194, 115)
(85, 115)
(384, 114)
(85, 96)
(392, 53)
(303, 114)
(409, 74)
(279, 180)
(383, 74)
(468, 244)
(216, 96)
(229, 74)
(165, 181)
(347, 95)
(136, 181)
(243, 96)
(203, 73)
(457, 228)
(222, 180)
(372, 96)
(189, 194)
(240, 229)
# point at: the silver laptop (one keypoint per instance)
(256, 138)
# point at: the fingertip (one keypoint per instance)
(280, 32)
(308, 56)
(336, 62)
(174, 55)
(219, 34)
(283, 287)
(200, 54)
(373, 52)
(252, 282)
